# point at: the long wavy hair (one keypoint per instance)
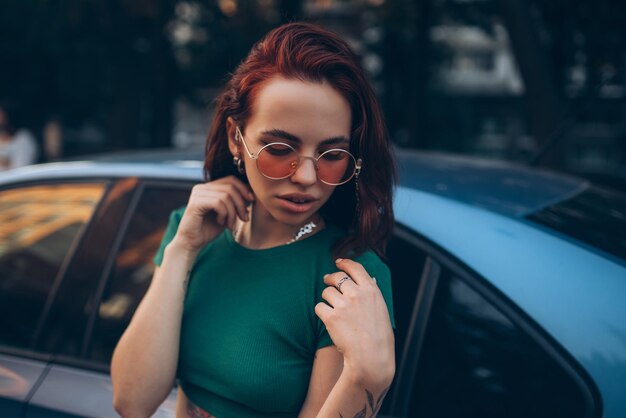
(306, 52)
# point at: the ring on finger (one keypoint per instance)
(340, 282)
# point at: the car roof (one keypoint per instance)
(499, 186)
(189, 170)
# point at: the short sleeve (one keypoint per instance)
(170, 232)
(376, 268)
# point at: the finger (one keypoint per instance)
(238, 200)
(339, 281)
(221, 212)
(221, 204)
(243, 188)
(230, 208)
(331, 295)
(209, 193)
(354, 270)
(241, 205)
(323, 311)
(229, 183)
(209, 202)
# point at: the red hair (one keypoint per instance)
(306, 52)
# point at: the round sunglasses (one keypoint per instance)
(278, 160)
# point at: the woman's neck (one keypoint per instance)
(263, 231)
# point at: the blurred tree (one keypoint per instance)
(543, 102)
(119, 65)
(405, 54)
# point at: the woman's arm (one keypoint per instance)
(326, 374)
(144, 362)
(143, 368)
(352, 397)
(327, 367)
(358, 322)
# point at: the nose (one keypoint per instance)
(305, 174)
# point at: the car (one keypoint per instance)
(508, 284)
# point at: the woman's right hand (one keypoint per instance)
(212, 206)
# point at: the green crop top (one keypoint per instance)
(249, 331)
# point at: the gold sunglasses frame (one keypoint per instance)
(357, 161)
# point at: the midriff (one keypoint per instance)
(187, 409)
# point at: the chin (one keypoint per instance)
(293, 219)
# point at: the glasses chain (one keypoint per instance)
(356, 193)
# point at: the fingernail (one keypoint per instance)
(326, 275)
(339, 260)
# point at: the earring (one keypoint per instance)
(238, 162)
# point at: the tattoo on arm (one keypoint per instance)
(374, 405)
(195, 411)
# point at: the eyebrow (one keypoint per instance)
(279, 133)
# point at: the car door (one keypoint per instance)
(465, 350)
(40, 226)
(78, 382)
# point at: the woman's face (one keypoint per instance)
(312, 118)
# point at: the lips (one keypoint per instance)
(298, 197)
(297, 202)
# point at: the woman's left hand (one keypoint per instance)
(357, 320)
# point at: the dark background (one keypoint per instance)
(540, 82)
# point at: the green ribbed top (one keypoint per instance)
(249, 331)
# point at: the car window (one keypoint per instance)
(38, 225)
(596, 217)
(133, 267)
(475, 362)
(406, 263)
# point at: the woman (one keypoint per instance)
(264, 303)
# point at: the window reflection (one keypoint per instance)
(133, 267)
(38, 225)
(594, 217)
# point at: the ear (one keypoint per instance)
(234, 144)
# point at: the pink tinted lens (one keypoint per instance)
(277, 161)
(335, 166)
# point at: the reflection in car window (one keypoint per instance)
(133, 267)
(596, 217)
(475, 362)
(37, 227)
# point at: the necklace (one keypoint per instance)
(304, 230)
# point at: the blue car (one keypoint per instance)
(508, 283)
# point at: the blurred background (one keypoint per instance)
(540, 82)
